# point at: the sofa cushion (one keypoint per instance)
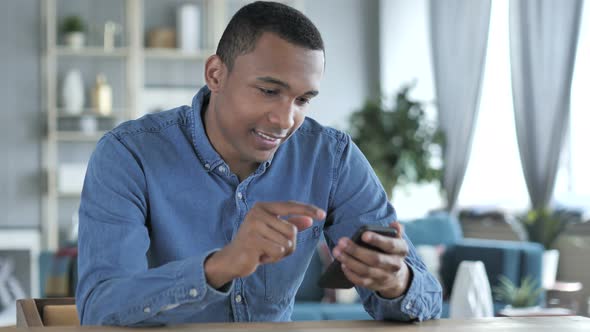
(307, 311)
(329, 311)
(434, 230)
(499, 258)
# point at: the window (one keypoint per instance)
(572, 187)
(494, 174)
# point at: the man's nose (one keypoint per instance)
(284, 116)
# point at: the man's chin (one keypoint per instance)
(262, 156)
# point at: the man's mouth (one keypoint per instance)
(267, 136)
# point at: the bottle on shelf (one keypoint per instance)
(102, 96)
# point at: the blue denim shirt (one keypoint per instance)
(158, 199)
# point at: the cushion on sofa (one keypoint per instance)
(434, 230)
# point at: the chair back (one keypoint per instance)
(46, 312)
(434, 229)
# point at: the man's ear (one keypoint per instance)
(215, 73)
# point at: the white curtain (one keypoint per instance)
(543, 39)
(459, 35)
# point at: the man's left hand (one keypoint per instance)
(385, 272)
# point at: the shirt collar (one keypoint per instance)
(205, 151)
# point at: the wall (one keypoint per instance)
(20, 116)
(350, 31)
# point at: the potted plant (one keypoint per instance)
(73, 28)
(544, 226)
(525, 296)
(398, 140)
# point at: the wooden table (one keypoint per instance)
(517, 324)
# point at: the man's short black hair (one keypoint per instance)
(248, 24)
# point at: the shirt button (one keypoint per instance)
(147, 310)
(239, 195)
(222, 169)
(193, 292)
(409, 305)
(207, 166)
(238, 298)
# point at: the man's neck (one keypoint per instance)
(241, 168)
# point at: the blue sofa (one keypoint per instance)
(515, 260)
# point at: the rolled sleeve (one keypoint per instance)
(422, 301)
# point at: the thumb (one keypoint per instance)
(399, 227)
(300, 222)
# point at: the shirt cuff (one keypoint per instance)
(190, 287)
(198, 288)
(406, 307)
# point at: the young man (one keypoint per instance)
(211, 213)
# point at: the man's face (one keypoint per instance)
(264, 98)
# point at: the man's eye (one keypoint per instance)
(303, 100)
(268, 92)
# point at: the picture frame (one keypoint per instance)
(19, 269)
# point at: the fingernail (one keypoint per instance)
(289, 243)
(336, 253)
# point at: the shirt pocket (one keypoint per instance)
(282, 279)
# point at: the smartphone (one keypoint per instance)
(333, 277)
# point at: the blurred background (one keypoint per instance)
(475, 109)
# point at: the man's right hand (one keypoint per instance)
(268, 234)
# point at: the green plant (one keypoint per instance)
(72, 23)
(526, 295)
(544, 225)
(398, 141)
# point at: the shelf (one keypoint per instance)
(89, 112)
(78, 136)
(176, 54)
(92, 52)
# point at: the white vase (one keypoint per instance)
(472, 295)
(549, 269)
(75, 40)
(72, 92)
(188, 28)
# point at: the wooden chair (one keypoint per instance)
(46, 312)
